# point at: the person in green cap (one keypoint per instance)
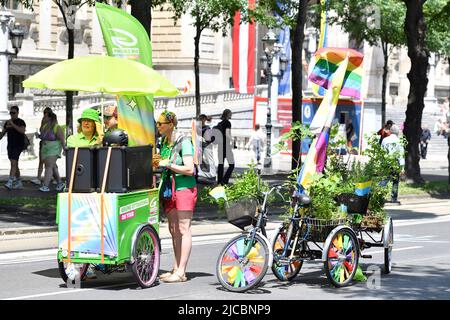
(89, 130)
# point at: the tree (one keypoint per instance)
(216, 15)
(293, 13)
(68, 10)
(142, 11)
(379, 22)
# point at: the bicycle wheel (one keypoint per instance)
(63, 266)
(388, 250)
(146, 257)
(242, 263)
(284, 268)
(341, 257)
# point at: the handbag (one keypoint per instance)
(26, 142)
(167, 189)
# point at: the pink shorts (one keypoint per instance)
(184, 200)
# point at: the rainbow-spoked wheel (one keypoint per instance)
(342, 257)
(285, 265)
(242, 263)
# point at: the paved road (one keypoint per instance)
(421, 270)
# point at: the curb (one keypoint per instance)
(27, 230)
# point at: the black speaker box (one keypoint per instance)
(130, 168)
(85, 179)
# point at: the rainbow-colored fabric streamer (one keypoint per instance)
(329, 60)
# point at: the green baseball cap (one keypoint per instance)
(90, 114)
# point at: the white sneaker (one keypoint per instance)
(44, 189)
(9, 185)
(60, 186)
(36, 181)
(18, 185)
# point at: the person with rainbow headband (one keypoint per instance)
(179, 192)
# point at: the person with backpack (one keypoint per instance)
(52, 139)
(179, 192)
(15, 129)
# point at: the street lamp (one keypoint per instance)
(7, 31)
(271, 50)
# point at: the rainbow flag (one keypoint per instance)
(196, 142)
(363, 188)
(218, 192)
(317, 154)
(328, 61)
(323, 40)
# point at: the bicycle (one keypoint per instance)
(244, 260)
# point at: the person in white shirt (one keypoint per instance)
(256, 142)
(392, 144)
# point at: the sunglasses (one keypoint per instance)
(161, 123)
(107, 117)
(12, 113)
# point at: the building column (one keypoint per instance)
(45, 25)
(430, 98)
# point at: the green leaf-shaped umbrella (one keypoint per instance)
(102, 74)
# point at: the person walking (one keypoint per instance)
(177, 160)
(52, 139)
(256, 142)
(15, 129)
(38, 180)
(393, 146)
(89, 131)
(207, 168)
(225, 149)
(425, 137)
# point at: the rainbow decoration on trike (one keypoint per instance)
(86, 222)
(341, 257)
(240, 274)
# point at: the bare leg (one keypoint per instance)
(14, 171)
(49, 162)
(173, 229)
(185, 239)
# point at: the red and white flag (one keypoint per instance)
(244, 42)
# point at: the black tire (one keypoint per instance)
(342, 256)
(62, 271)
(388, 250)
(282, 270)
(238, 270)
(146, 257)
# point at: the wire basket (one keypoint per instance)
(319, 229)
(372, 222)
(241, 213)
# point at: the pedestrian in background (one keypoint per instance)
(15, 129)
(225, 149)
(256, 142)
(38, 180)
(425, 137)
(392, 145)
(207, 168)
(385, 131)
(110, 118)
(53, 142)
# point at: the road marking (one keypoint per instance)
(68, 291)
(412, 222)
(397, 249)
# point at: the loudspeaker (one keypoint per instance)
(85, 179)
(130, 168)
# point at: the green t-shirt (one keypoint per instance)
(181, 181)
(79, 140)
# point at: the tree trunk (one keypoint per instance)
(69, 94)
(297, 76)
(142, 11)
(197, 71)
(415, 29)
(384, 46)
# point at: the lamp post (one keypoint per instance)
(271, 50)
(7, 31)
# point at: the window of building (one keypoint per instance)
(15, 85)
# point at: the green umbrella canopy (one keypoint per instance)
(102, 74)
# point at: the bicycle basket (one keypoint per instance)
(354, 203)
(241, 213)
(319, 229)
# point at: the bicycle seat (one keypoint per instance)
(303, 199)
